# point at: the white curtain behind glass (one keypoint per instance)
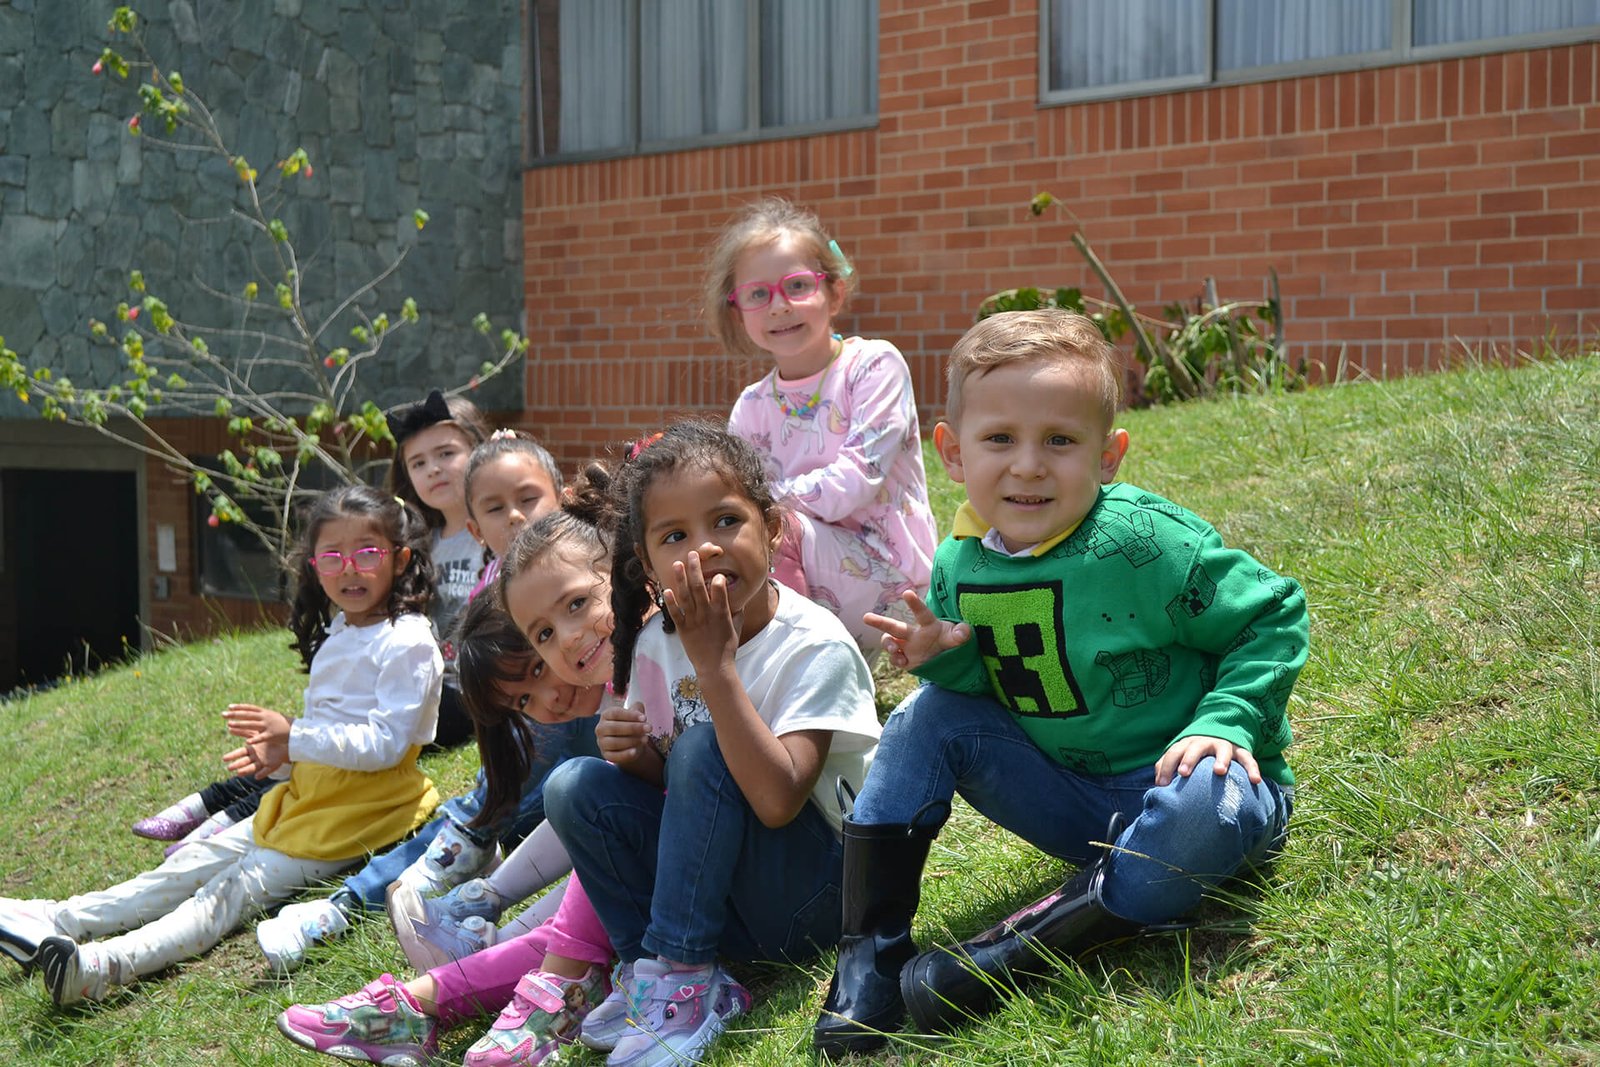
(692, 68)
(1109, 42)
(818, 61)
(1449, 21)
(596, 55)
(1255, 33)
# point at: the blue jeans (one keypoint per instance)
(1181, 838)
(692, 873)
(553, 744)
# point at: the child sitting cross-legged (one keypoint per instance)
(1109, 682)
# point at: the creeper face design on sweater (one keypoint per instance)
(1022, 647)
(1196, 596)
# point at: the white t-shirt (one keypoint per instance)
(373, 693)
(803, 671)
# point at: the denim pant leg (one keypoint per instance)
(938, 743)
(1189, 836)
(610, 822)
(553, 743)
(371, 883)
(728, 884)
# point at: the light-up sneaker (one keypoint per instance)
(379, 1023)
(434, 931)
(544, 1015)
(680, 1014)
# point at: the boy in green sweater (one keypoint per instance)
(1108, 681)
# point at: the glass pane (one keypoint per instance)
(693, 68)
(1450, 21)
(582, 59)
(1259, 33)
(834, 77)
(1096, 42)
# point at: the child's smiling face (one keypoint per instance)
(1032, 447)
(545, 698)
(562, 604)
(363, 596)
(798, 334)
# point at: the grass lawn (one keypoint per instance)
(1438, 899)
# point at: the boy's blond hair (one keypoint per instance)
(760, 224)
(1042, 334)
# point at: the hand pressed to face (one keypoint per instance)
(709, 550)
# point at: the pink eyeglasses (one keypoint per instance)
(365, 561)
(801, 285)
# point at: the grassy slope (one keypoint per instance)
(1437, 903)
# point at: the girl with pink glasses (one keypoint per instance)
(835, 420)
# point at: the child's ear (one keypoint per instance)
(402, 557)
(472, 528)
(1116, 447)
(948, 445)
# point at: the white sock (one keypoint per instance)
(532, 865)
(188, 809)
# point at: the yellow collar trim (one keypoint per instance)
(970, 524)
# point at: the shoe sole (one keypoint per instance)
(55, 957)
(25, 952)
(352, 1052)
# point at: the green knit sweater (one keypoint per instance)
(1137, 629)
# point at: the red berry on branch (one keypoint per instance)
(308, 170)
(327, 361)
(213, 522)
(473, 384)
(133, 123)
(97, 68)
(133, 313)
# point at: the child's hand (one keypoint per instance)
(1186, 753)
(620, 733)
(266, 737)
(911, 644)
(700, 612)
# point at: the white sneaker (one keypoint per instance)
(24, 924)
(74, 972)
(452, 858)
(285, 937)
(434, 931)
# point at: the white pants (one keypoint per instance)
(189, 903)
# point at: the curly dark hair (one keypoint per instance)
(491, 651)
(397, 521)
(691, 445)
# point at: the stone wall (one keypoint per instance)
(399, 107)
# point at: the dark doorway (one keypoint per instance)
(69, 595)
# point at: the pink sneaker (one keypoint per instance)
(544, 1014)
(379, 1023)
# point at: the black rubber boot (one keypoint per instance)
(882, 884)
(947, 986)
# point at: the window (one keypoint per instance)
(621, 77)
(1098, 49)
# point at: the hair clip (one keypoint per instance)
(419, 417)
(643, 443)
(401, 502)
(503, 434)
(845, 269)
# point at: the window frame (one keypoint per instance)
(1400, 23)
(640, 146)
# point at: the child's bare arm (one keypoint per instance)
(1187, 752)
(911, 644)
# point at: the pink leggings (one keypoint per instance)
(482, 983)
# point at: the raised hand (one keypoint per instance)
(701, 615)
(911, 644)
(266, 739)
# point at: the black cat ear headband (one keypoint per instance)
(419, 417)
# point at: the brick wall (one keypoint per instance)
(1402, 207)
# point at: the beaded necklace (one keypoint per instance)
(802, 411)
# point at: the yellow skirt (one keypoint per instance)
(326, 813)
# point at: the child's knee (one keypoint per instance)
(1206, 803)
(696, 752)
(569, 781)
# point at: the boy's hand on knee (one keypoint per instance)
(911, 644)
(1186, 754)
